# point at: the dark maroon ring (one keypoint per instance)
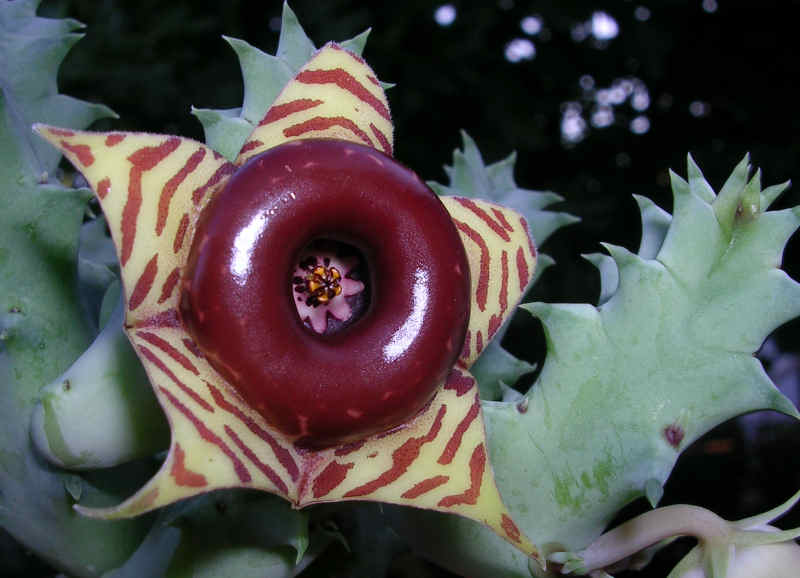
(373, 374)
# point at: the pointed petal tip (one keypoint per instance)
(97, 513)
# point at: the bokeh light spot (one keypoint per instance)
(642, 13)
(520, 49)
(640, 125)
(698, 108)
(445, 15)
(531, 25)
(603, 26)
(573, 126)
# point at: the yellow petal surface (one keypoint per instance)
(335, 95)
(438, 461)
(502, 259)
(151, 188)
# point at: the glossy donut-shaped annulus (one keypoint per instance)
(238, 302)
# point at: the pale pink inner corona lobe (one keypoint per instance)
(239, 303)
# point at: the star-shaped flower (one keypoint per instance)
(154, 191)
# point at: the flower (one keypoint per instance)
(154, 189)
(748, 548)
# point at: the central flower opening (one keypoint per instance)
(328, 286)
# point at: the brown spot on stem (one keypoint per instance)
(674, 433)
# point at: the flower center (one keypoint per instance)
(327, 289)
(320, 284)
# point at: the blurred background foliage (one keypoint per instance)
(598, 99)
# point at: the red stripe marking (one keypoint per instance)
(114, 139)
(142, 161)
(155, 360)
(477, 464)
(144, 283)
(522, 269)
(373, 80)
(384, 142)
(146, 158)
(479, 342)
(424, 486)
(333, 475)
(483, 276)
(209, 436)
(279, 111)
(182, 475)
(531, 246)
(345, 81)
(502, 218)
(402, 458)
(459, 383)
(60, 131)
(283, 455)
(167, 318)
(81, 151)
(510, 528)
(465, 351)
(497, 319)
(169, 284)
(251, 455)
(470, 205)
(504, 283)
(319, 123)
(454, 442)
(180, 233)
(103, 187)
(250, 145)
(224, 170)
(172, 185)
(192, 346)
(168, 348)
(349, 448)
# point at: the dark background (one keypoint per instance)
(719, 78)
